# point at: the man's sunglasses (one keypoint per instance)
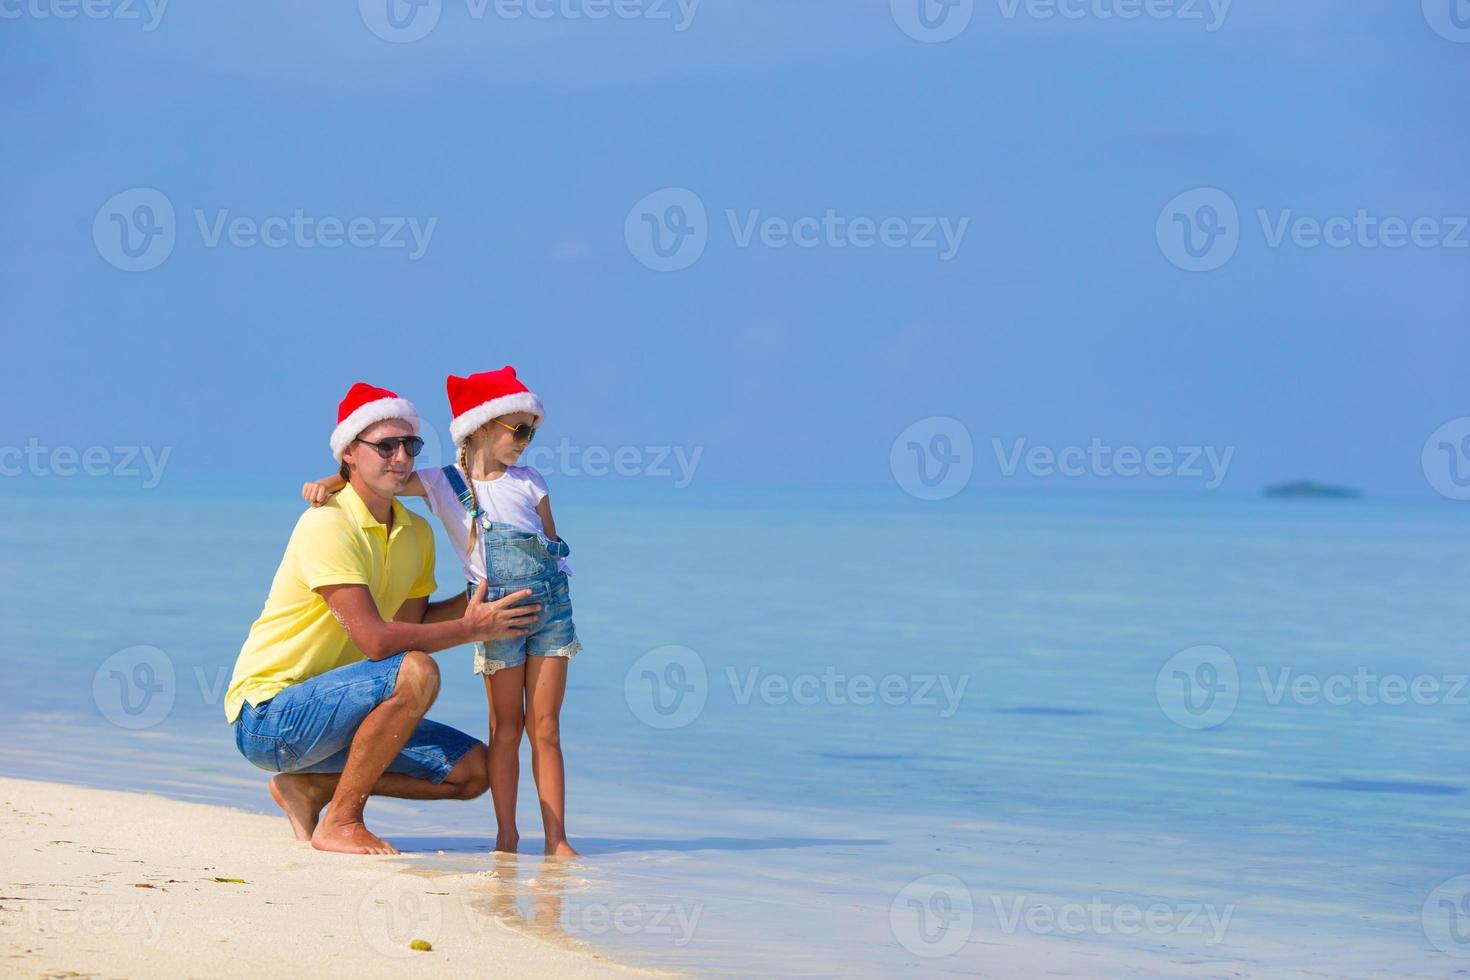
(524, 432)
(388, 448)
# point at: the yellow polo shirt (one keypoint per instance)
(339, 543)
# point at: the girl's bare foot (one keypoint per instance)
(301, 801)
(560, 850)
(349, 838)
(507, 842)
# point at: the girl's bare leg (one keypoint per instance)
(546, 685)
(505, 690)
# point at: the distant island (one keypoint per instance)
(1307, 488)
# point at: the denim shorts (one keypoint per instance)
(309, 726)
(554, 634)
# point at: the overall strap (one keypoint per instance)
(462, 490)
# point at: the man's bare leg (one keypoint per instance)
(377, 742)
(303, 795)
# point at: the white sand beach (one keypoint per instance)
(94, 882)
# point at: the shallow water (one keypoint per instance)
(816, 733)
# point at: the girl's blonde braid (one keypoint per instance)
(464, 467)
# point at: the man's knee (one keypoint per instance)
(418, 679)
(471, 775)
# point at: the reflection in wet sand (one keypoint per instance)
(528, 899)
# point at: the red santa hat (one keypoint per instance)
(488, 395)
(364, 407)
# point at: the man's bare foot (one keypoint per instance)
(507, 842)
(297, 797)
(350, 838)
(560, 850)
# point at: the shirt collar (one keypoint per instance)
(352, 503)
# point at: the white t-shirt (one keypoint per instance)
(512, 499)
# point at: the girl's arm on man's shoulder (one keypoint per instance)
(316, 492)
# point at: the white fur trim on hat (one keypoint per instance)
(369, 415)
(469, 423)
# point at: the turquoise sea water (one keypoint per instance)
(819, 733)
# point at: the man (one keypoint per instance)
(332, 685)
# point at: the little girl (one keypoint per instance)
(505, 534)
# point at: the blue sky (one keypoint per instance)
(1059, 319)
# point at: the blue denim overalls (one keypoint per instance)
(518, 559)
